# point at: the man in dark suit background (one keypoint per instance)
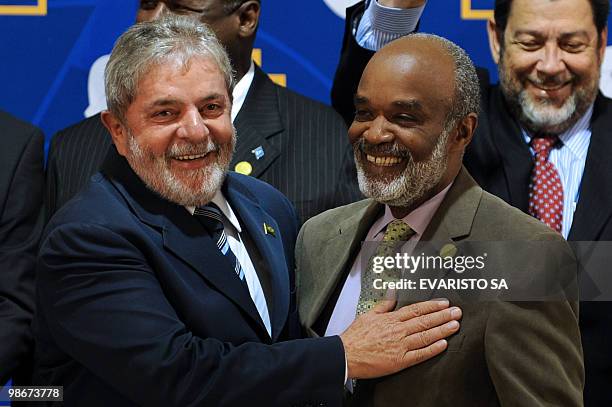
(169, 281)
(416, 110)
(549, 56)
(292, 142)
(21, 190)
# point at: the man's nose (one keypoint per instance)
(551, 60)
(378, 132)
(192, 126)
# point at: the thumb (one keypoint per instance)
(386, 305)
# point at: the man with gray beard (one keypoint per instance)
(416, 110)
(169, 281)
(543, 133)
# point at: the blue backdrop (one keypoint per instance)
(48, 48)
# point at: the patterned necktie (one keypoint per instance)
(545, 189)
(211, 217)
(396, 233)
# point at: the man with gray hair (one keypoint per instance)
(290, 141)
(416, 110)
(169, 281)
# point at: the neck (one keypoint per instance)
(400, 212)
(242, 63)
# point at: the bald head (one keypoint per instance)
(440, 63)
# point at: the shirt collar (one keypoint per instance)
(241, 89)
(419, 218)
(574, 137)
(225, 208)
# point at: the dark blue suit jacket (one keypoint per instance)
(138, 307)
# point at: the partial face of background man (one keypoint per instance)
(178, 136)
(231, 20)
(549, 57)
(406, 149)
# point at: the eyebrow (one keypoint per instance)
(359, 100)
(410, 104)
(170, 102)
(538, 34)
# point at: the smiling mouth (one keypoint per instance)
(551, 88)
(190, 157)
(387, 161)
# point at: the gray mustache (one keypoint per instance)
(388, 149)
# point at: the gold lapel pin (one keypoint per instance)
(448, 250)
(269, 230)
(244, 167)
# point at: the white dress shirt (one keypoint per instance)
(241, 89)
(232, 231)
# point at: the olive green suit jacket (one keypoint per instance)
(506, 353)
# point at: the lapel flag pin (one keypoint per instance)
(448, 250)
(244, 167)
(259, 152)
(269, 230)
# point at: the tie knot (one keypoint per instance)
(397, 231)
(211, 217)
(543, 145)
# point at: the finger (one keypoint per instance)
(385, 305)
(391, 294)
(421, 308)
(428, 321)
(417, 356)
(425, 338)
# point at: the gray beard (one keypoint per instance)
(540, 116)
(156, 174)
(416, 181)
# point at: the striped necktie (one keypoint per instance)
(211, 217)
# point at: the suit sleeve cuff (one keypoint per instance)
(381, 25)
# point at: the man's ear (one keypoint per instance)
(117, 131)
(494, 40)
(603, 42)
(248, 15)
(463, 133)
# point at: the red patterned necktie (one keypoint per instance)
(545, 189)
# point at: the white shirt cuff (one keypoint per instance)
(345, 370)
(381, 25)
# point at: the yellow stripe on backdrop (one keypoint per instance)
(278, 78)
(40, 9)
(468, 13)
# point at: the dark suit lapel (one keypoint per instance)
(516, 159)
(258, 120)
(595, 200)
(187, 239)
(182, 235)
(270, 246)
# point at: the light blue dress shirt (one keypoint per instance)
(381, 25)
